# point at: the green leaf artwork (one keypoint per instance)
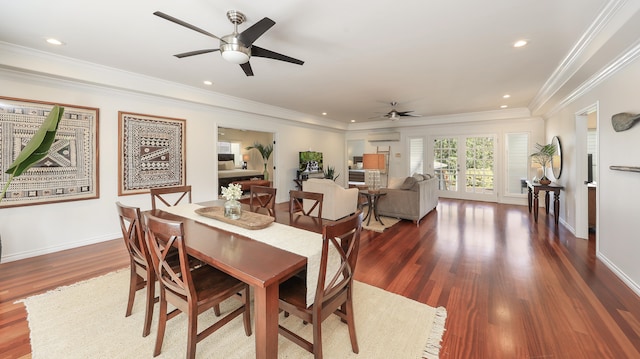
(37, 148)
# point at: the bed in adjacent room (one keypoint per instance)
(227, 171)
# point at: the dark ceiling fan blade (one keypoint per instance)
(256, 30)
(408, 114)
(196, 52)
(260, 52)
(247, 68)
(187, 25)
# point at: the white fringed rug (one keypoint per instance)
(86, 320)
(377, 226)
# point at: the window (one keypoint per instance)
(231, 147)
(416, 155)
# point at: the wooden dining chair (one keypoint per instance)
(170, 196)
(334, 290)
(263, 197)
(141, 266)
(191, 291)
(306, 202)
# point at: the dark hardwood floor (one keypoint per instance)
(513, 288)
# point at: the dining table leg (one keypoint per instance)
(266, 321)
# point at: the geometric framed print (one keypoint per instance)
(69, 172)
(152, 152)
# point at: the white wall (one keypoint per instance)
(33, 230)
(617, 194)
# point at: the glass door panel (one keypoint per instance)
(445, 163)
(475, 179)
(479, 165)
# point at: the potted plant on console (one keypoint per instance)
(36, 149)
(265, 152)
(543, 157)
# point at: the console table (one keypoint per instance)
(534, 189)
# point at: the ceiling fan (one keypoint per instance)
(236, 47)
(395, 115)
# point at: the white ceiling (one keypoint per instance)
(435, 57)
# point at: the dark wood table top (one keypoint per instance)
(251, 261)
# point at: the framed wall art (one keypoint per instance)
(69, 172)
(152, 152)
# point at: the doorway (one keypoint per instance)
(586, 171)
(247, 163)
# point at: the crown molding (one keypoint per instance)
(612, 16)
(610, 69)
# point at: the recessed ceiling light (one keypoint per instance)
(520, 43)
(53, 41)
(324, 114)
(506, 96)
(208, 83)
(353, 120)
(504, 106)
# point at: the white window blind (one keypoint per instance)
(517, 161)
(416, 155)
(231, 147)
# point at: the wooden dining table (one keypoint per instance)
(258, 264)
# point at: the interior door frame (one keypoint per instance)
(581, 191)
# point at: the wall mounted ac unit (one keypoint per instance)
(383, 136)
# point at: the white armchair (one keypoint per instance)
(338, 202)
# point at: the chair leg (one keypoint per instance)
(192, 336)
(151, 298)
(133, 283)
(351, 324)
(162, 323)
(317, 337)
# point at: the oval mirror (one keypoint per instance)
(556, 161)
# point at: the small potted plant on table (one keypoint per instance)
(543, 157)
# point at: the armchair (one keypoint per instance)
(338, 202)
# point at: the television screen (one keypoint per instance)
(310, 162)
(589, 168)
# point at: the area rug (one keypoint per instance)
(377, 226)
(86, 320)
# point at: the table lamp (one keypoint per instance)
(373, 163)
(245, 159)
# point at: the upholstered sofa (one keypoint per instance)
(337, 202)
(411, 198)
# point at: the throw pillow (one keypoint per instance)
(229, 165)
(419, 177)
(408, 183)
(395, 182)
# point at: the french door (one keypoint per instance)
(465, 167)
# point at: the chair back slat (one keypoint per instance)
(263, 197)
(168, 195)
(344, 237)
(162, 235)
(305, 202)
(132, 233)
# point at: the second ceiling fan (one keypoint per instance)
(395, 115)
(236, 47)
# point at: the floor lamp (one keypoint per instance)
(373, 163)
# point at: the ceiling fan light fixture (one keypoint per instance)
(233, 50)
(235, 56)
